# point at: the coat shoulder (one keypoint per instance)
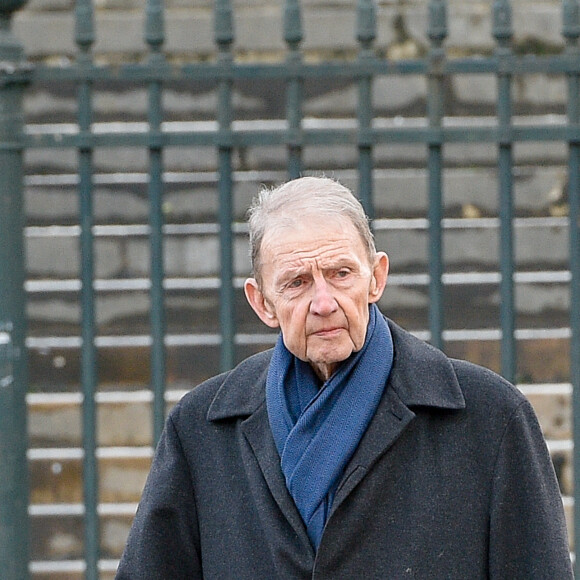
(486, 390)
(232, 386)
(426, 374)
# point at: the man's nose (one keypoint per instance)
(323, 302)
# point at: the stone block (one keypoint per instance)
(569, 514)
(114, 537)
(46, 34)
(552, 403)
(54, 311)
(49, 103)
(542, 298)
(52, 257)
(541, 20)
(122, 480)
(51, 205)
(55, 426)
(60, 537)
(562, 459)
(125, 424)
(48, 5)
(53, 423)
(199, 255)
(46, 26)
(47, 161)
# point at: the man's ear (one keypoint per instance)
(259, 303)
(379, 277)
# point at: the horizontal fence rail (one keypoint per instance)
(308, 143)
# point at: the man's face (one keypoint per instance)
(316, 285)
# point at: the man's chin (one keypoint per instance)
(330, 359)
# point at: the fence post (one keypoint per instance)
(437, 33)
(224, 38)
(571, 33)
(14, 537)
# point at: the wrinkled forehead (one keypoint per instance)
(312, 237)
(288, 224)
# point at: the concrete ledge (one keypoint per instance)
(46, 28)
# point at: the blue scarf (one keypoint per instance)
(317, 429)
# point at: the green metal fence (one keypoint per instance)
(364, 135)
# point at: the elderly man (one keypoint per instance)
(351, 449)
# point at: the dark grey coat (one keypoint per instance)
(452, 480)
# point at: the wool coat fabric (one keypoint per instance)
(452, 480)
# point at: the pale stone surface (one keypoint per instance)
(542, 298)
(115, 535)
(398, 192)
(58, 425)
(552, 405)
(46, 26)
(124, 480)
(57, 257)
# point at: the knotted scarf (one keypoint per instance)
(317, 428)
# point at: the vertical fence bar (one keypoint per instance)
(84, 37)
(154, 36)
(14, 525)
(571, 32)
(366, 35)
(502, 32)
(293, 36)
(437, 34)
(224, 38)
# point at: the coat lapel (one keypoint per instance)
(390, 420)
(257, 430)
(414, 381)
(242, 396)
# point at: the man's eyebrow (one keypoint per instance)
(341, 263)
(289, 274)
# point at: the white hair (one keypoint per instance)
(304, 196)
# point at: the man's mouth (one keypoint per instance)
(328, 332)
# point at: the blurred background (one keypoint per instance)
(149, 126)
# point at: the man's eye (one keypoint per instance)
(342, 273)
(296, 283)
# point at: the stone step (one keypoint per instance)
(399, 96)
(471, 288)
(190, 198)
(123, 361)
(193, 251)
(57, 535)
(328, 156)
(56, 478)
(57, 541)
(46, 26)
(472, 302)
(124, 422)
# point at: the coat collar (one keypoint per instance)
(243, 389)
(421, 376)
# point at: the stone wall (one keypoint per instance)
(329, 27)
